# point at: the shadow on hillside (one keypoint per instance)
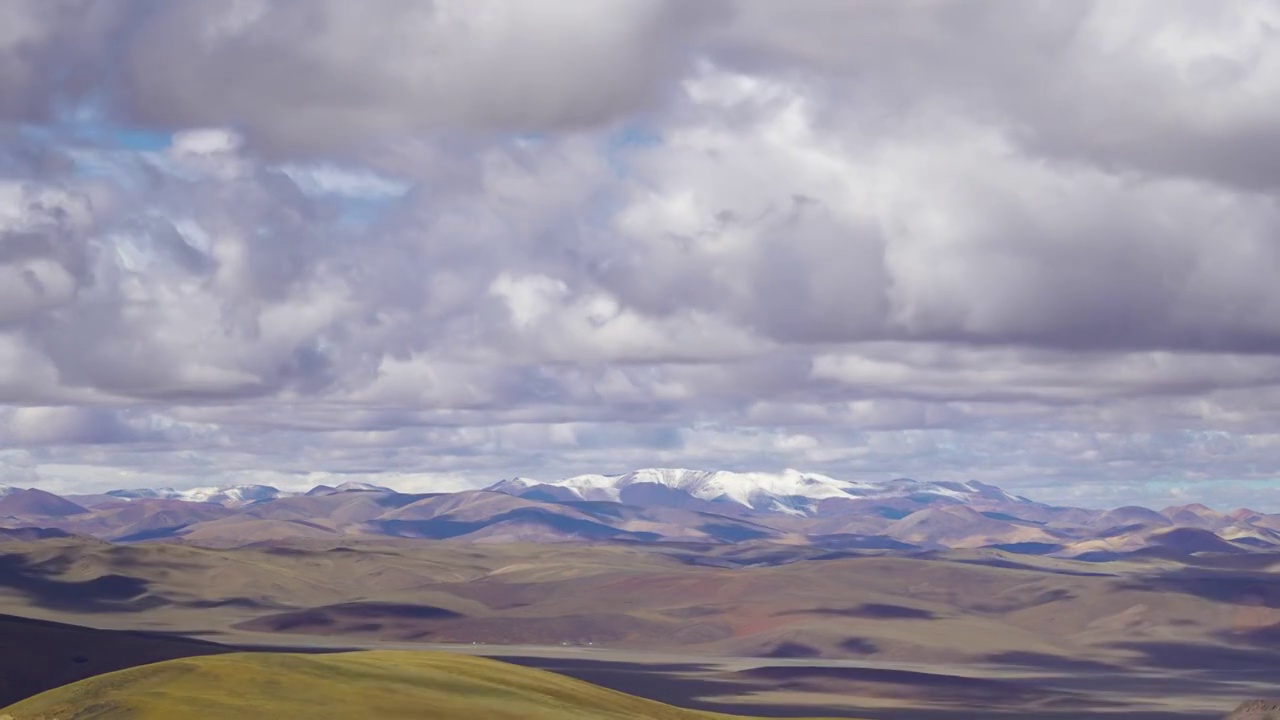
(931, 687)
(791, 651)
(1209, 661)
(325, 617)
(1040, 661)
(706, 687)
(1259, 637)
(968, 714)
(1159, 669)
(37, 655)
(108, 593)
(1011, 565)
(870, 611)
(859, 646)
(683, 684)
(1237, 587)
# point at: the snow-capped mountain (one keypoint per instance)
(8, 490)
(791, 491)
(237, 495)
(230, 496)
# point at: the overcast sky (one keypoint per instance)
(433, 244)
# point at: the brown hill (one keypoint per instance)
(239, 531)
(960, 526)
(1130, 515)
(35, 503)
(1251, 535)
(495, 517)
(1196, 516)
(1191, 540)
(145, 519)
(1256, 710)
(472, 506)
(485, 516)
(340, 508)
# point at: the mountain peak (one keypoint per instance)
(222, 495)
(33, 502)
(357, 486)
(790, 491)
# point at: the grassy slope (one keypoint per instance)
(380, 684)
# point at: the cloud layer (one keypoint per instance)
(439, 243)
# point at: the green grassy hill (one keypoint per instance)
(355, 686)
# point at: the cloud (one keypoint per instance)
(1168, 88)
(309, 75)
(939, 230)
(453, 241)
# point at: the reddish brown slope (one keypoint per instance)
(34, 503)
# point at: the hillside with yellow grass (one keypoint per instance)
(355, 686)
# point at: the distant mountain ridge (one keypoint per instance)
(644, 506)
(790, 492)
(233, 495)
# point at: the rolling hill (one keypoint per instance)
(1134, 620)
(376, 684)
(651, 506)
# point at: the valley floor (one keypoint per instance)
(854, 635)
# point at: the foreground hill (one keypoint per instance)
(36, 656)
(378, 684)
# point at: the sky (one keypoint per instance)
(438, 243)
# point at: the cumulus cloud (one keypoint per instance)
(306, 76)
(276, 240)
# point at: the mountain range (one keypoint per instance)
(647, 506)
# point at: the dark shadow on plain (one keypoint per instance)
(37, 655)
(690, 685)
(792, 650)
(1010, 565)
(859, 646)
(1041, 661)
(319, 618)
(1213, 661)
(1239, 587)
(871, 611)
(32, 534)
(235, 602)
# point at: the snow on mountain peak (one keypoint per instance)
(231, 495)
(790, 491)
(357, 486)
